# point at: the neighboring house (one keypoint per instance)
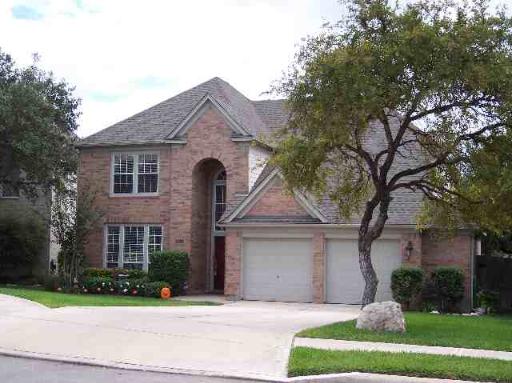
(169, 174)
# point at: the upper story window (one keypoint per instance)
(135, 173)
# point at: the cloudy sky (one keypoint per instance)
(126, 55)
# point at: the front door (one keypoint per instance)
(219, 264)
(219, 243)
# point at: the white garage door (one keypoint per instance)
(277, 269)
(345, 283)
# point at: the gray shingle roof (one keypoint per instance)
(258, 119)
(405, 206)
(154, 125)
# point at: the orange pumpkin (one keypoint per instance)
(165, 293)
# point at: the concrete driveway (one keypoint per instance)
(242, 339)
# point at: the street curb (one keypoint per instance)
(350, 377)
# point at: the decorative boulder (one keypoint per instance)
(382, 316)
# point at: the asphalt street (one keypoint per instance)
(23, 370)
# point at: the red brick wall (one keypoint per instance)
(233, 264)
(94, 175)
(277, 202)
(208, 138)
(428, 252)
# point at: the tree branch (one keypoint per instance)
(444, 108)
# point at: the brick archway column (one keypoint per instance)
(319, 268)
(233, 270)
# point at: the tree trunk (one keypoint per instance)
(366, 266)
(367, 235)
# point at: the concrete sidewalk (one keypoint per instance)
(346, 345)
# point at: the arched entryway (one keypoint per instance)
(208, 245)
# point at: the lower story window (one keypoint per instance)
(129, 246)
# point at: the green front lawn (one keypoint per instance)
(309, 361)
(486, 332)
(56, 299)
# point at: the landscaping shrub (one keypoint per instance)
(137, 286)
(99, 285)
(114, 273)
(118, 274)
(489, 300)
(448, 284)
(171, 267)
(96, 272)
(137, 274)
(51, 282)
(406, 284)
(153, 289)
(22, 236)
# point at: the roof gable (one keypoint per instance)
(203, 105)
(157, 123)
(268, 201)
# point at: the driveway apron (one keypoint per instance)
(243, 339)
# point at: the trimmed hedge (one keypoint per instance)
(93, 272)
(448, 284)
(153, 289)
(171, 267)
(406, 284)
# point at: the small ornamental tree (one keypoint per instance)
(432, 78)
(73, 216)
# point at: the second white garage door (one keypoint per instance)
(277, 269)
(345, 283)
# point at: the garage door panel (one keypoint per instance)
(345, 284)
(277, 269)
(344, 280)
(386, 257)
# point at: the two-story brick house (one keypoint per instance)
(167, 175)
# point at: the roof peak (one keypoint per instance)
(157, 122)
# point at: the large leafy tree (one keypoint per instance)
(433, 80)
(38, 120)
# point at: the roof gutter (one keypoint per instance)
(306, 225)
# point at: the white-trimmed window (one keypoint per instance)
(129, 246)
(135, 173)
(155, 239)
(113, 235)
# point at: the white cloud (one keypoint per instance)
(124, 56)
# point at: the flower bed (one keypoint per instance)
(112, 282)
